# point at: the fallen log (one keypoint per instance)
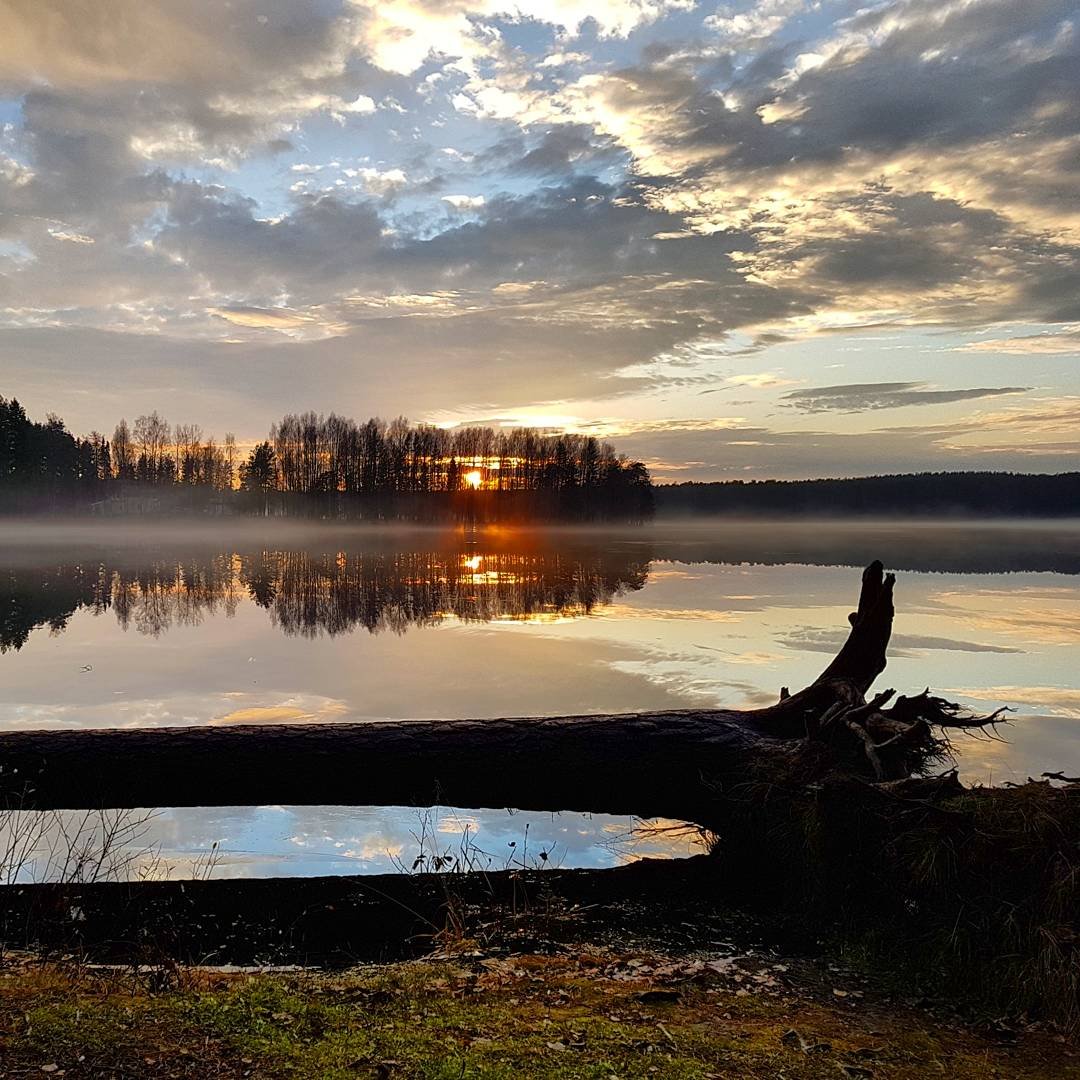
(670, 764)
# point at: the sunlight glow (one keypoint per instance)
(474, 479)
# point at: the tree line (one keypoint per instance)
(318, 465)
(45, 459)
(940, 494)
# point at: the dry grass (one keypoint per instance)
(976, 896)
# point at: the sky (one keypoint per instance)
(788, 238)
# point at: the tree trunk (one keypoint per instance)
(630, 764)
(669, 764)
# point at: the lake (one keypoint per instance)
(127, 626)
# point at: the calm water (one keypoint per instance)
(165, 627)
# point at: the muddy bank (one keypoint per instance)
(341, 920)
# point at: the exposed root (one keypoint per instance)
(904, 740)
(907, 739)
(870, 747)
(928, 789)
(1062, 777)
(942, 713)
(860, 713)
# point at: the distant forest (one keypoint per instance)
(319, 466)
(943, 494)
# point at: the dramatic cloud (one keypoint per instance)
(596, 211)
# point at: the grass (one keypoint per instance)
(976, 897)
(522, 1017)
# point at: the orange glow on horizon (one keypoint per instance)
(474, 479)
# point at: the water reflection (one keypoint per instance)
(288, 841)
(153, 581)
(334, 593)
(310, 593)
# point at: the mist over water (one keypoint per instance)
(256, 622)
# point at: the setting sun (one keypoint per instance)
(474, 479)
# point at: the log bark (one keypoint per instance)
(648, 764)
(670, 764)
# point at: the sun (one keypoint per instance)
(474, 479)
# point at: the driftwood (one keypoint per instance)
(682, 764)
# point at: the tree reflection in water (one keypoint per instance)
(310, 593)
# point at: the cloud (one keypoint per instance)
(383, 183)
(315, 247)
(760, 380)
(1046, 344)
(193, 81)
(559, 151)
(740, 28)
(70, 237)
(271, 318)
(464, 202)
(123, 41)
(1055, 700)
(860, 397)
(812, 639)
(360, 105)
(402, 34)
(630, 181)
(884, 168)
(741, 450)
(1048, 416)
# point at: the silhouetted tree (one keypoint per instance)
(259, 474)
(152, 436)
(42, 465)
(123, 452)
(393, 470)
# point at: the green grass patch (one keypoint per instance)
(521, 1019)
